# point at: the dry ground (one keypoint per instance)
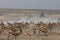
(33, 37)
(10, 14)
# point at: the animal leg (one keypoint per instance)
(8, 37)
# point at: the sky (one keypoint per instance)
(30, 4)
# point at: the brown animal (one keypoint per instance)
(2, 25)
(52, 26)
(43, 28)
(20, 25)
(29, 33)
(13, 33)
(1, 30)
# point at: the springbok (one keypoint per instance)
(20, 25)
(2, 25)
(43, 28)
(28, 32)
(52, 26)
(13, 33)
(1, 28)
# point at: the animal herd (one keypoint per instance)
(25, 28)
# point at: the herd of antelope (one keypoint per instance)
(25, 28)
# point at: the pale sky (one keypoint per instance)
(30, 4)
